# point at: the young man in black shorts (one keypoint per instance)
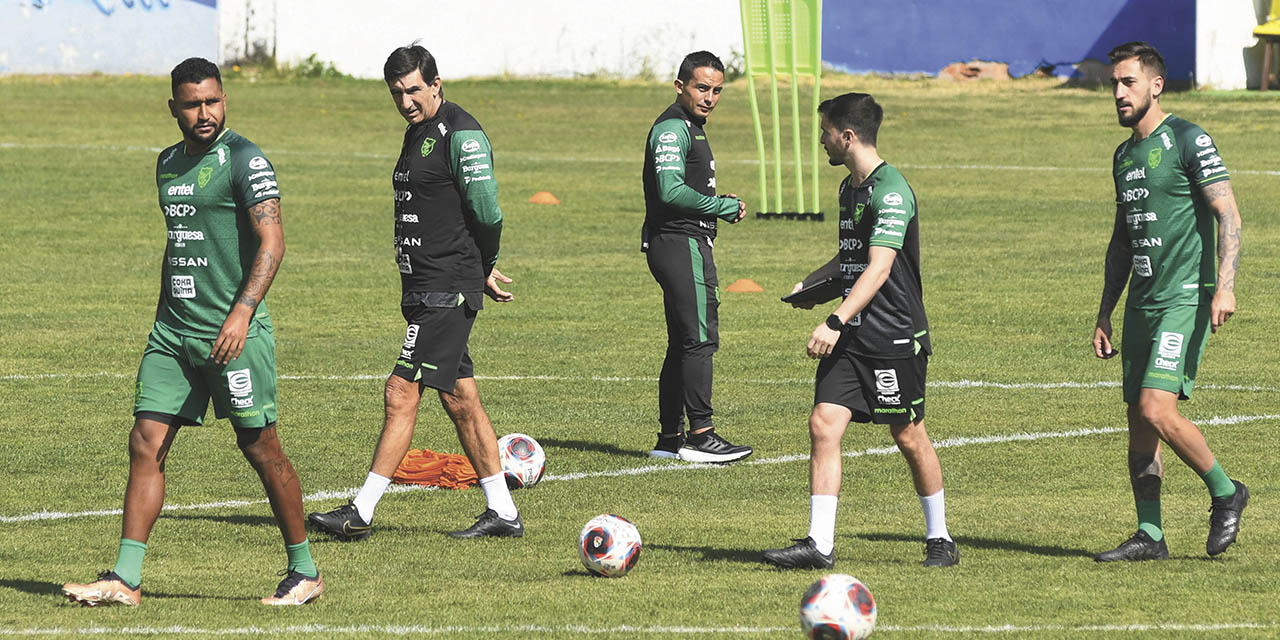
(875, 347)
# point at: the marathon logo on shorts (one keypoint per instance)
(886, 384)
(240, 384)
(1169, 351)
(182, 287)
(410, 341)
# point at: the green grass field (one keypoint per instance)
(1016, 209)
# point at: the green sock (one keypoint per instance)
(1220, 486)
(129, 561)
(300, 559)
(1149, 519)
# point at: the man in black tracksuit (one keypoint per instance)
(681, 210)
(448, 228)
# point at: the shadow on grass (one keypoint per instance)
(240, 519)
(585, 445)
(750, 556)
(42, 588)
(997, 544)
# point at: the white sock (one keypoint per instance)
(498, 496)
(822, 522)
(369, 495)
(935, 516)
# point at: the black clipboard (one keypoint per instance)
(822, 285)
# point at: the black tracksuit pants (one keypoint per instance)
(684, 268)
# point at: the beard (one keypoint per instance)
(1139, 111)
(190, 133)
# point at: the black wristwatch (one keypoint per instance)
(834, 323)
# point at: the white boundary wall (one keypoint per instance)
(1227, 54)
(488, 37)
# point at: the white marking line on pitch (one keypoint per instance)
(541, 159)
(941, 384)
(423, 630)
(651, 468)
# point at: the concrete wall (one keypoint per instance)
(1227, 54)
(493, 37)
(111, 36)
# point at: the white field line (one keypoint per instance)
(559, 159)
(650, 468)
(425, 630)
(940, 384)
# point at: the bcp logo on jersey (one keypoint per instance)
(471, 146)
(258, 163)
(892, 199)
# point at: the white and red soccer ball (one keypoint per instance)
(837, 607)
(609, 546)
(523, 460)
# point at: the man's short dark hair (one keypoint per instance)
(697, 60)
(856, 111)
(195, 71)
(404, 60)
(1146, 54)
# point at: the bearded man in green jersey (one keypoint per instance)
(212, 337)
(1171, 189)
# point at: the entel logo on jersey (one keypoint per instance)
(886, 383)
(182, 190)
(471, 146)
(892, 199)
(257, 163)
(1137, 174)
(1203, 140)
(667, 137)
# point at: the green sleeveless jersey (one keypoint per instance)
(1159, 182)
(211, 247)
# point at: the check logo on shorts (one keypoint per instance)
(887, 383)
(1169, 350)
(410, 341)
(240, 384)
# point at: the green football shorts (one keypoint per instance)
(177, 377)
(1161, 349)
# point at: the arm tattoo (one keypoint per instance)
(1230, 235)
(260, 277)
(266, 212)
(1117, 267)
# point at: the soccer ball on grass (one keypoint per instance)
(609, 546)
(837, 607)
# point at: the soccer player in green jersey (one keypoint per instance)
(1171, 189)
(874, 348)
(212, 337)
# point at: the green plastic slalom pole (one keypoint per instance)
(795, 113)
(755, 105)
(771, 59)
(815, 33)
